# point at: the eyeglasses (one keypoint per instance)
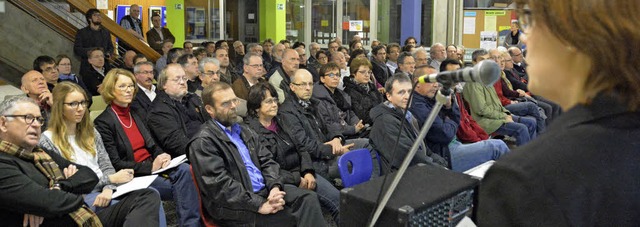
(65, 64)
(228, 104)
(331, 75)
(179, 79)
(270, 101)
(84, 104)
(146, 72)
(29, 119)
(257, 66)
(303, 84)
(365, 72)
(211, 73)
(123, 87)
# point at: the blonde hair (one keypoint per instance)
(84, 134)
(109, 84)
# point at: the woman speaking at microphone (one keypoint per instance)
(582, 54)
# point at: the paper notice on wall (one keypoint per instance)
(490, 23)
(356, 25)
(102, 4)
(488, 40)
(469, 26)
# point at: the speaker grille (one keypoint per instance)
(447, 213)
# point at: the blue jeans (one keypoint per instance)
(91, 197)
(522, 128)
(329, 197)
(467, 156)
(528, 109)
(180, 188)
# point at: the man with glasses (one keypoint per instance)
(47, 66)
(308, 131)
(519, 63)
(253, 73)
(92, 36)
(237, 175)
(209, 73)
(33, 84)
(96, 72)
(141, 103)
(176, 114)
(34, 195)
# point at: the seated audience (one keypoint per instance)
(238, 179)
(47, 66)
(96, 71)
(38, 188)
(34, 86)
(130, 146)
(308, 131)
(381, 71)
(72, 136)
(441, 137)
(141, 103)
(406, 64)
(175, 115)
(227, 74)
(253, 73)
(295, 164)
(189, 64)
(334, 105)
(63, 63)
(362, 90)
(392, 122)
(486, 109)
(209, 72)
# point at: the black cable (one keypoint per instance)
(393, 159)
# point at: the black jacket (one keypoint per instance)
(293, 163)
(362, 101)
(118, 146)
(224, 183)
(92, 79)
(381, 72)
(582, 172)
(308, 132)
(141, 104)
(339, 119)
(386, 129)
(25, 190)
(171, 126)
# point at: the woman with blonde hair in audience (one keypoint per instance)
(584, 170)
(131, 146)
(72, 136)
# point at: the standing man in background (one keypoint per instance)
(158, 34)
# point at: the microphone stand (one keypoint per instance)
(441, 98)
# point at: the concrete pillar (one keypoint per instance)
(410, 19)
(383, 20)
(272, 17)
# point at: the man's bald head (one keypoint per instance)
(33, 83)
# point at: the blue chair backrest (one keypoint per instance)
(361, 167)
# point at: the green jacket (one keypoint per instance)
(485, 106)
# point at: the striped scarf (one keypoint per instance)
(83, 216)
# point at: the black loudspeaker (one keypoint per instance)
(425, 196)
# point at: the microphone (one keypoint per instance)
(486, 72)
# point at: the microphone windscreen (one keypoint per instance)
(489, 72)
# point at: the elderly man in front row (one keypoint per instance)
(238, 179)
(39, 188)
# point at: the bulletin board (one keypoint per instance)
(485, 21)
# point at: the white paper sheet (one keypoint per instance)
(174, 162)
(480, 170)
(135, 184)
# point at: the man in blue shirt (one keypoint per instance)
(239, 181)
